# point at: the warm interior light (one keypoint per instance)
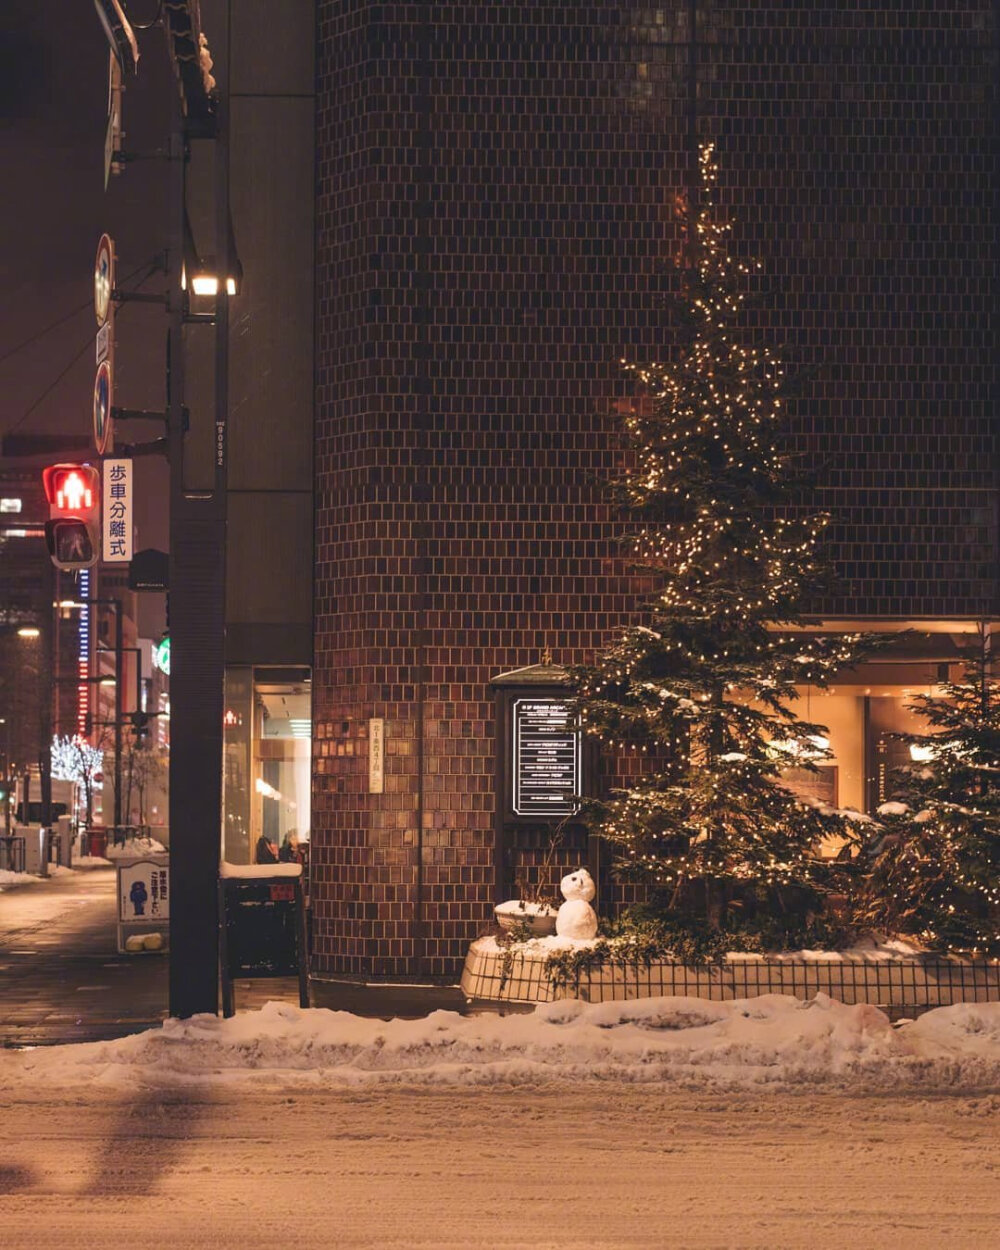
(815, 746)
(28, 631)
(921, 755)
(208, 284)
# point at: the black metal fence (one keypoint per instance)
(12, 853)
(897, 986)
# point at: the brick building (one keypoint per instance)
(492, 213)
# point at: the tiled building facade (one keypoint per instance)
(494, 206)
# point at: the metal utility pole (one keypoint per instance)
(196, 597)
(197, 661)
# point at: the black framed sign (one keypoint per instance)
(546, 768)
(546, 759)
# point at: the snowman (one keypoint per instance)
(576, 918)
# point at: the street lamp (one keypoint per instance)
(203, 274)
(197, 530)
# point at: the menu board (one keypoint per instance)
(547, 758)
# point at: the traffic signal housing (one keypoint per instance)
(73, 530)
(140, 726)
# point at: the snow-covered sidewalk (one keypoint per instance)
(82, 863)
(771, 1041)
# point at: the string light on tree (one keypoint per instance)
(937, 873)
(704, 681)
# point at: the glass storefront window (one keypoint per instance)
(237, 722)
(268, 749)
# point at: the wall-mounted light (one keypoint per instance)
(201, 274)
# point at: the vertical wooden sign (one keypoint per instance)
(376, 756)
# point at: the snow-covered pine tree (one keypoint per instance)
(702, 685)
(936, 876)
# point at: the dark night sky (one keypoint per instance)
(53, 109)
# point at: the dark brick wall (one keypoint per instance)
(495, 186)
(858, 151)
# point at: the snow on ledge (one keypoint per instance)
(134, 848)
(868, 950)
(248, 872)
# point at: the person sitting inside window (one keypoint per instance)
(267, 852)
(289, 853)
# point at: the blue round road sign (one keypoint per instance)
(102, 407)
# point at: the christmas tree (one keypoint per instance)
(700, 688)
(936, 874)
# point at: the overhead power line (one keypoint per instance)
(145, 270)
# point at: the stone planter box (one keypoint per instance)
(539, 919)
(517, 975)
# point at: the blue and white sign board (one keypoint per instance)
(143, 890)
(143, 903)
(116, 512)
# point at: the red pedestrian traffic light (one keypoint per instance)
(73, 531)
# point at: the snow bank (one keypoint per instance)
(134, 848)
(10, 880)
(772, 1042)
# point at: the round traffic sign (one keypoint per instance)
(104, 278)
(102, 407)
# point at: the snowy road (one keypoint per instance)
(763, 1124)
(547, 1166)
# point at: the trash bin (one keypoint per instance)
(96, 840)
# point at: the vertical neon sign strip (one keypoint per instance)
(83, 656)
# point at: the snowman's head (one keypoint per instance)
(579, 884)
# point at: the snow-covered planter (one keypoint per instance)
(538, 919)
(893, 975)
